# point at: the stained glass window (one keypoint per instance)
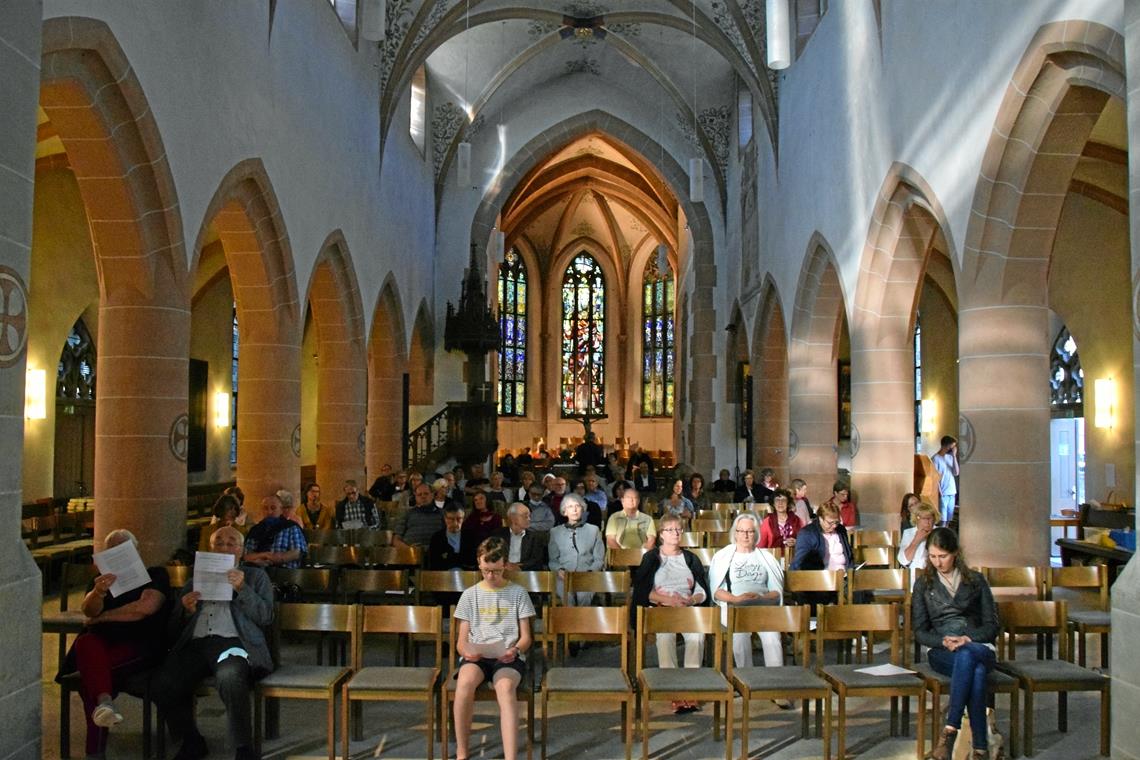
(75, 378)
(657, 341)
(513, 332)
(917, 383)
(1066, 378)
(583, 337)
(234, 390)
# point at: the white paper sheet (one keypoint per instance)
(210, 579)
(126, 565)
(490, 649)
(883, 670)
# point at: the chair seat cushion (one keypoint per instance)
(302, 677)
(996, 681)
(683, 679)
(782, 678)
(1055, 674)
(848, 675)
(586, 679)
(1095, 618)
(394, 679)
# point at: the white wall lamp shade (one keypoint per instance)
(696, 180)
(779, 28)
(35, 394)
(222, 409)
(463, 164)
(929, 412)
(373, 20)
(1104, 399)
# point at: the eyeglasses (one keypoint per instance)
(494, 572)
(828, 521)
(672, 530)
(746, 531)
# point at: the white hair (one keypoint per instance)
(755, 523)
(571, 498)
(118, 536)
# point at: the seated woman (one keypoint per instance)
(781, 526)
(748, 492)
(670, 576)
(314, 514)
(743, 574)
(119, 629)
(575, 546)
(676, 503)
(912, 545)
(909, 502)
(822, 544)
(954, 614)
(697, 494)
(841, 498)
(227, 510)
(483, 521)
(493, 613)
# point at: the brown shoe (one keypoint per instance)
(945, 748)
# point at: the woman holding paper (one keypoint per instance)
(954, 614)
(120, 628)
(493, 639)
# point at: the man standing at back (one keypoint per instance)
(946, 463)
(223, 639)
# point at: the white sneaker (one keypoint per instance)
(106, 716)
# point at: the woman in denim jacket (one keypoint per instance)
(954, 614)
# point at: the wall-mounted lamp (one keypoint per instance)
(1104, 394)
(221, 409)
(929, 412)
(35, 394)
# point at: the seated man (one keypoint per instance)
(526, 549)
(477, 482)
(356, 510)
(276, 540)
(452, 547)
(724, 484)
(630, 528)
(643, 479)
(421, 521)
(225, 640)
(382, 488)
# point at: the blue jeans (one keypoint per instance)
(968, 668)
(947, 504)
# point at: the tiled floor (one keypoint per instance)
(396, 730)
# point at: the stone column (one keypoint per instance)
(1005, 441)
(704, 365)
(341, 387)
(20, 594)
(1126, 590)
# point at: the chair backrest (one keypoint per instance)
(335, 556)
(706, 525)
(704, 554)
(444, 581)
(534, 581)
(651, 620)
(312, 580)
(776, 619)
(798, 581)
(724, 514)
(875, 556)
(328, 537)
(179, 575)
(401, 619)
(875, 538)
(373, 538)
(1079, 577)
(355, 582)
(851, 620)
(1035, 617)
(599, 582)
(627, 558)
(692, 539)
(1032, 579)
(395, 556)
(718, 539)
(878, 579)
(317, 618)
(590, 624)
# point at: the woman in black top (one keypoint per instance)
(954, 614)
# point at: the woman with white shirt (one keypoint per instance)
(742, 574)
(575, 546)
(912, 545)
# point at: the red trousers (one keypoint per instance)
(95, 658)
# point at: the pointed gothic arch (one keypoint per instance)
(421, 357)
(770, 402)
(387, 363)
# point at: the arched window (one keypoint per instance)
(657, 341)
(583, 337)
(917, 383)
(234, 390)
(512, 332)
(1066, 378)
(75, 378)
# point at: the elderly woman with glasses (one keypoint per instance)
(670, 576)
(742, 574)
(823, 545)
(493, 639)
(575, 546)
(912, 545)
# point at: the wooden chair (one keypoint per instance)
(335, 556)
(376, 683)
(373, 586)
(888, 538)
(704, 683)
(789, 682)
(328, 537)
(723, 514)
(312, 583)
(543, 593)
(395, 557)
(1084, 621)
(617, 559)
(1016, 583)
(803, 585)
(692, 539)
(718, 539)
(610, 583)
(589, 684)
(997, 682)
(1047, 675)
(524, 693)
(875, 556)
(308, 681)
(705, 525)
(704, 554)
(370, 538)
(866, 619)
(883, 586)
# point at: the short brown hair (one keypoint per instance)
(491, 550)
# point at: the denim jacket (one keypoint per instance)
(970, 612)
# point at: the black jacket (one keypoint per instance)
(644, 574)
(970, 612)
(440, 555)
(532, 554)
(811, 548)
